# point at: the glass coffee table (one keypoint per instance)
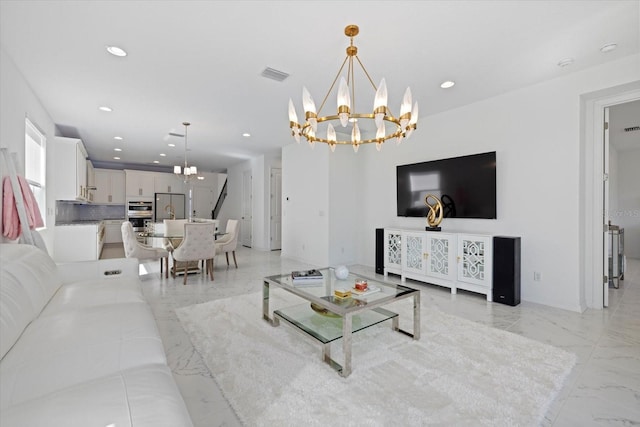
(327, 318)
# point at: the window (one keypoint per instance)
(35, 165)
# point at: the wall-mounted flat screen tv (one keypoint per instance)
(466, 186)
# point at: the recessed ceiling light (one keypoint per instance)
(156, 161)
(447, 84)
(608, 47)
(117, 149)
(246, 135)
(163, 155)
(565, 62)
(201, 178)
(105, 108)
(119, 138)
(116, 51)
(116, 158)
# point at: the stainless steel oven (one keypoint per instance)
(139, 211)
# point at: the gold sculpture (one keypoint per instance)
(435, 215)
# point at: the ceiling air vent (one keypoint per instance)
(274, 74)
(632, 129)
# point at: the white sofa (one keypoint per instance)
(80, 346)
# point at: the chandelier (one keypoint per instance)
(187, 171)
(377, 126)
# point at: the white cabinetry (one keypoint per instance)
(91, 182)
(475, 261)
(70, 160)
(455, 260)
(139, 183)
(168, 183)
(441, 256)
(110, 187)
(392, 251)
(78, 242)
(414, 249)
(113, 231)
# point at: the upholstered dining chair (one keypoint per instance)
(175, 229)
(198, 244)
(134, 249)
(229, 241)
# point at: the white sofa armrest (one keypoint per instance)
(102, 269)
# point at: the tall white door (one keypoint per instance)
(605, 213)
(276, 209)
(202, 202)
(245, 223)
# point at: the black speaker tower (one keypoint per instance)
(506, 270)
(380, 250)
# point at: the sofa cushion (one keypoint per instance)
(141, 397)
(70, 347)
(90, 293)
(28, 280)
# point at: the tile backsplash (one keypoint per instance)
(68, 212)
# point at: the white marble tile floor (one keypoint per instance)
(602, 390)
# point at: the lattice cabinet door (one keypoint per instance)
(441, 255)
(414, 248)
(393, 250)
(474, 259)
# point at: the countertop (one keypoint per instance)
(86, 221)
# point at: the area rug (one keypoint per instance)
(458, 373)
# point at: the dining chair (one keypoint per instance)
(229, 241)
(134, 249)
(175, 229)
(198, 244)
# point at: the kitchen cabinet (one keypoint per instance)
(70, 160)
(168, 183)
(113, 231)
(91, 182)
(110, 187)
(78, 242)
(139, 183)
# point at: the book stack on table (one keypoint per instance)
(306, 277)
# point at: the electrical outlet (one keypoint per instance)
(536, 276)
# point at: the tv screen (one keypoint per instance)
(466, 186)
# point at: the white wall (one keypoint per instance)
(627, 212)
(305, 203)
(345, 206)
(17, 102)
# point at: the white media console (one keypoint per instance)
(455, 260)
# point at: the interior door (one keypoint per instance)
(245, 224)
(606, 241)
(276, 209)
(202, 202)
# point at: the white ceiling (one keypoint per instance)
(200, 61)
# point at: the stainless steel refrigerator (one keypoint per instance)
(167, 204)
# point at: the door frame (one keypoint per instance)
(591, 245)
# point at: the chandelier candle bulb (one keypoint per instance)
(344, 102)
(380, 103)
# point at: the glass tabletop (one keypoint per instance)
(154, 235)
(321, 291)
